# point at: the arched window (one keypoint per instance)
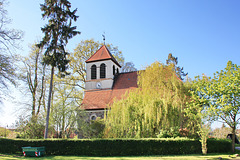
(94, 72)
(102, 70)
(113, 70)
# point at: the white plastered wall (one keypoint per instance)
(106, 82)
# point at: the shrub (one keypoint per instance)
(115, 147)
(171, 132)
(218, 145)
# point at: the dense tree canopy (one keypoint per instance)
(197, 111)
(220, 96)
(156, 105)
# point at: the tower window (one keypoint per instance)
(94, 72)
(102, 70)
(117, 71)
(113, 70)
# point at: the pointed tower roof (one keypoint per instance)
(102, 54)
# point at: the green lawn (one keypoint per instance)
(187, 157)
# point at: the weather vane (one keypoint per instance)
(103, 37)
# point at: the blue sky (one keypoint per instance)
(203, 34)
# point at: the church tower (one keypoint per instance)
(101, 68)
(104, 83)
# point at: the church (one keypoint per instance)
(104, 83)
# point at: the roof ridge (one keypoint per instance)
(94, 54)
(128, 72)
(114, 59)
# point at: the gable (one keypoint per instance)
(102, 54)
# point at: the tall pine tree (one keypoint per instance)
(56, 35)
(174, 62)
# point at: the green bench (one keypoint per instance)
(33, 151)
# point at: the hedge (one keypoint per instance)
(116, 147)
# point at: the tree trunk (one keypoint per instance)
(204, 145)
(63, 127)
(49, 103)
(233, 138)
(41, 98)
(34, 103)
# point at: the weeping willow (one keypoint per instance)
(156, 105)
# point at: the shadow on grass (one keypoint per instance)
(182, 157)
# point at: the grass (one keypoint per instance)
(170, 157)
(184, 157)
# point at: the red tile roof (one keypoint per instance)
(99, 99)
(125, 80)
(102, 54)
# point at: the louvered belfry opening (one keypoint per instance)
(94, 72)
(113, 70)
(102, 70)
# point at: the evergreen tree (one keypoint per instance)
(174, 61)
(56, 35)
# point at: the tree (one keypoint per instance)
(156, 105)
(174, 61)
(129, 67)
(33, 73)
(197, 111)
(7, 71)
(221, 132)
(84, 50)
(4, 132)
(92, 129)
(225, 96)
(56, 35)
(30, 128)
(222, 94)
(9, 39)
(64, 107)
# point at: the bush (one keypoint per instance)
(219, 145)
(115, 147)
(171, 132)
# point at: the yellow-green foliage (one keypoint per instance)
(155, 105)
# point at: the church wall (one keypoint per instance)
(86, 118)
(95, 113)
(109, 68)
(107, 82)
